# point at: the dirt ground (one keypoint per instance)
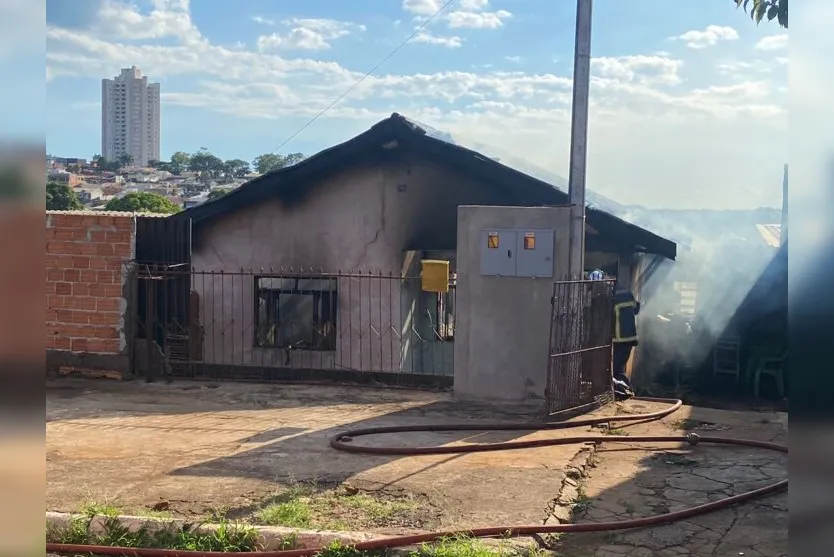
(202, 450)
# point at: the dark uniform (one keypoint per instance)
(626, 309)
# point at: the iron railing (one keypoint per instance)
(295, 324)
(581, 330)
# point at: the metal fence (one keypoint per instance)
(292, 324)
(581, 330)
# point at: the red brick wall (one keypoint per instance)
(86, 276)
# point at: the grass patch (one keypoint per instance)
(186, 537)
(92, 508)
(302, 506)
(581, 504)
(617, 431)
(463, 546)
(686, 424)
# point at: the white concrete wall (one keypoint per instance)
(503, 323)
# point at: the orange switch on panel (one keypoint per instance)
(492, 240)
(529, 240)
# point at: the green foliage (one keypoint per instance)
(142, 202)
(206, 165)
(236, 168)
(761, 9)
(60, 197)
(187, 537)
(273, 161)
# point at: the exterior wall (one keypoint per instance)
(86, 289)
(362, 219)
(503, 323)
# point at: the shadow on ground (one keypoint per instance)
(636, 481)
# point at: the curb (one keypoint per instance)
(561, 508)
(271, 537)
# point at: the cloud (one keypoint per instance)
(710, 36)
(773, 42)
(650, 136)
(640, 69)
(514, 59)
(428, 38)
(20, 26)
(307, 34)
(471, 14)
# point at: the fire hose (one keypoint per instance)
(344, 442)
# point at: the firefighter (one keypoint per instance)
(626, 309)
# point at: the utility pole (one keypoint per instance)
(579, 137)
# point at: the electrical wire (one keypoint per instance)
(367, 74)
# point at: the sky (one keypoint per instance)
(688, 105)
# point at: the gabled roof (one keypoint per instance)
(518, 187)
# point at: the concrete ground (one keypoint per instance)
(195, 448)
(631, 481)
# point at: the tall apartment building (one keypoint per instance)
(130, 117)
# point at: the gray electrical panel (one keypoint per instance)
(498, 252)
(517, 252)
(534, 253)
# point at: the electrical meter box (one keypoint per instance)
(434, 274)
(517, 252)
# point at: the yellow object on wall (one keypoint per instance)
(435, 275)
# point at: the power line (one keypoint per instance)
(367, 74)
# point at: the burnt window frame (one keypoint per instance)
(326, 342)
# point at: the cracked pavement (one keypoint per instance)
(635, 481)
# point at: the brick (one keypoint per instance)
(55, 275)
(84, 249)
(50, 288)
(98, 263)
(63, 288)
(52, 315)
(113, 290)
(51, 261)
(72, 275)
(107, 304)
(56, 301)
(122, 250)
(98, 236)
(71, 302)
(105, 277)
(79, 290)
(115, 264)
(88, 276)
(118, 237)
(57, 246)
(81, 262)
(104, 249)
(109, 318)
(87, 304)
(108, 346)
(79, 345)
(58, 343)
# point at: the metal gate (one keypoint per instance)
(579, 358)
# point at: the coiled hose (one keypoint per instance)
(343, 442)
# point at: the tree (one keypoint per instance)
(142, 202)
(770, 9)
(217, 193)
(126, 159)
(60, 197)
(180, 162)
(206, 164)
(273, 161)
(237, 168)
